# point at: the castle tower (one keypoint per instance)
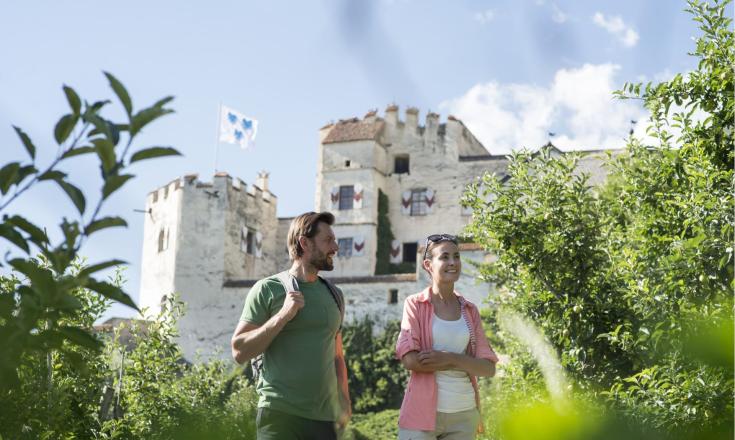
(422, 169)
(350, 172)
(197, 236)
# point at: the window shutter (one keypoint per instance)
(430, 200)
(334, 196)
(258, 245)
(395, 252)
(358, 246)
(358, 196)
(406, 202)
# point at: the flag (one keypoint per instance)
(236, 128)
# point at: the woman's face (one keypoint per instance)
(444, 264)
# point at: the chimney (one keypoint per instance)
(262, 180)
(391, 114)
(412, 117)
(432, 121)
(370, 116)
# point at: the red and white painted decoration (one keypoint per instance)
(395, 252)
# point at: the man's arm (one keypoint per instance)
(344, 392)
(250, 340)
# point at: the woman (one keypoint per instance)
(443, 344)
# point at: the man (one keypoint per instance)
(302, 388)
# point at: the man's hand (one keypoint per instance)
(344, 418)
(293, 302)
(438, 360)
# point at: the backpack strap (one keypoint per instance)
(290, 282)
(338, 298)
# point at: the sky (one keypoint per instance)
(513, 71)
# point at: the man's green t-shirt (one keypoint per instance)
(298, 375)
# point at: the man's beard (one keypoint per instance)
(321, 262)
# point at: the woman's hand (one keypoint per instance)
(437, 360)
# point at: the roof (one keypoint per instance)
(354, 130)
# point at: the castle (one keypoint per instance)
(211, 241)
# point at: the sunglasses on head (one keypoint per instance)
(438, 238)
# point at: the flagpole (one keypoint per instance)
(216, 143)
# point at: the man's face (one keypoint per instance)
(323, 247)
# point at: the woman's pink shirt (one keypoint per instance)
(418, 410)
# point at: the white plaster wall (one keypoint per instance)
(158, 268)
(370, 181)
(356, 265)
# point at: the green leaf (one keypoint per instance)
(145, 117)
(26, 142)
(41, 278)
(78, 151)
(8, 176)
(80, 337)
(87, 271)
(121, 93)
(64, 127)
(106, 222)
(74, 102)
(112, 292)
(163, 101)
(24, 172)
(67, 302)
(74, 193)
(106, 152)
(152, 152)
(113, 183)
(37, 235)
(9, 233)
(52, 175)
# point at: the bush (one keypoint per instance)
(376, 378)
(621, 276)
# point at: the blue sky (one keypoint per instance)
(512, 70)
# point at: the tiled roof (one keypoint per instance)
(354, 130)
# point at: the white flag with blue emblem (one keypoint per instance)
(236, 128)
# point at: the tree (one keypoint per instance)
(632, 281)
(36, 309)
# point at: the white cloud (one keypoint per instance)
(558, 16)
(578, 106)
(484, 17)
(616, 26)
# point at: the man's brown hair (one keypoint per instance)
(306, 225)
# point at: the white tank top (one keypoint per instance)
(455, 392)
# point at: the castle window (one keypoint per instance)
(347, 163)
(409, 252)
(418, 201)
(401, 164)
(247, 241)
(162, 240)
(392, 296)
(155, 196)
(345, 247)
(346, 196)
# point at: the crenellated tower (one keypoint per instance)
(423, 170)
(197, 236)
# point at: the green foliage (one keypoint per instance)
(370, 426)
(138, 386)
(163, 397)
(376, 378)
(34, 307)
(383, 265)
(625, 278)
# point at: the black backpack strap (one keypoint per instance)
(338, 298)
